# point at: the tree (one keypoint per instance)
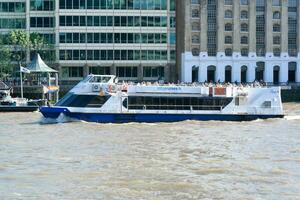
(5, 60)
(37, 42)
(20, 42)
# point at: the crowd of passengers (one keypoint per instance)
(197, 84)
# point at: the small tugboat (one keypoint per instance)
(9, 104)
(102, 99)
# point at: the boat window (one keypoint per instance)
(178, 103)
(91, 101)
(100, 79)
(125, 103)
(267, 104)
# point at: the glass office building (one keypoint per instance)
(133, 39)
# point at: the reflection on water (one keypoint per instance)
(186, 160)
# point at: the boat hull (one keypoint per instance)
(50, 112)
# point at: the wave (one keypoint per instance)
(62, 118)
(292, 117)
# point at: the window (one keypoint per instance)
(195, 52)
(153, 72)
(195, 13)
(276, 15)
(72, 72)
(292, 28)
(276, 40)
(244, 2)
(244, 40)
(228, 27)
(228, 2)
(195, 39)
(45, 5)
(211, 27)
(195, 1)
(41, 22)
(228, 14)
(244, 27)
(100, 70)
(276, 3)
(128, 72)
(228, 40)
(228, 52)
(244, 52)
(276, 28)
(16, 7)
(244, 14)
(276, 52)
(195, 26)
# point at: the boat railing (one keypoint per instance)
(174, 107)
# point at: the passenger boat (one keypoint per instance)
(9, 104)
(102, 99)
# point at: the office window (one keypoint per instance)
(45, 5)
(127, 72)
(276, 15)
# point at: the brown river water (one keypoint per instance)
(185, 160)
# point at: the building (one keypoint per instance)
(238, 40)
(133, 39)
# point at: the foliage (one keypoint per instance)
(5, 60)
(15, 45)
(37, 42)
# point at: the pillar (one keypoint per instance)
(252, 26)
(269, 27)
(298, 30)
(113, 69)
(202, 72)
(236, 27)
(251, 72)
(220, 27)
(220, 72)
(57, 30)
(140, 73)
(284, 71)
(298, 71)
(236, 72)
(284, 26)
(268, 73)
(203, 27)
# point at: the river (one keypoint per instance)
(185, 160)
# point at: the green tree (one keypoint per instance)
(20, 42)
(37, 42)
(5, 60)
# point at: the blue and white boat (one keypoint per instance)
(102, 99)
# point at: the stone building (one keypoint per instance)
(238, 40)
(133, 39)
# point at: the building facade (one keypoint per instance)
(238, 40)
(133, 39)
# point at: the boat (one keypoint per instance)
(103, 99)
(9, 104)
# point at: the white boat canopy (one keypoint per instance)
(38, 66)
